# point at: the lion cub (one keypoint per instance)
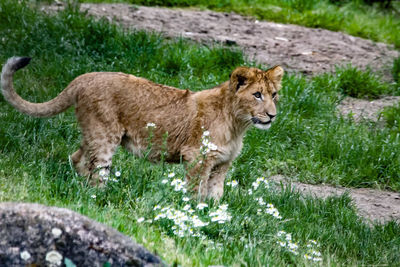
(204, 128)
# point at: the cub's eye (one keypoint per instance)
(274, 95)
(257, 95)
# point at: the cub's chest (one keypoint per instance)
(230, 150)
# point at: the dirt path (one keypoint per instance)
(297, 48)
(365, 109)
(374, 205)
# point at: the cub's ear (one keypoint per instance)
(275, 74)
(238, 78)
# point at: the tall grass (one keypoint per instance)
(308, 142)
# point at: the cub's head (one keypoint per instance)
(255, 94)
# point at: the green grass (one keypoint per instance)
(308, 142)
(353, 17)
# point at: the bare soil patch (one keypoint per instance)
(373, 205)
(365, 109)
(296, 48)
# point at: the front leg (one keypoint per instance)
(198, 176)
(215, 185)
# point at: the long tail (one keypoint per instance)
(57, 105)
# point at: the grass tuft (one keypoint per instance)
(360, 84)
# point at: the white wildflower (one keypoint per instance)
(185, 199)
(293, 246)
(233, 183)
(141, 219)
(261, 202)
(157, 207)
(221, 215)
(280, 233)
(186, 207)
(201, 206)
(288, 237)
(164, 181)
(102, 172)
(282, 244)
(273, 211)
(197, 222)
(179, 185)
(151, 125)
(316, 253)
(307, 257)
(255, 185)
(117, 173)
(206, 144)
(171, 175)
(159, 216)
(258, 181)
(93, 196)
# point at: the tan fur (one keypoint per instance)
(114, 109)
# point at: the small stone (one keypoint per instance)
(25, 255)
(54, 258)
(56, 232)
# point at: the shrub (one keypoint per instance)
(360, 84)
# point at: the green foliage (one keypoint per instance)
(391, 116)
(307, 141)
(360, 84)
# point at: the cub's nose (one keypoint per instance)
(271, 116)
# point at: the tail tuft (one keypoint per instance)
(20, 63)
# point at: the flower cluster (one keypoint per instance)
(232, 183)
(104, 174)
(206, 144)
(221, 215)
(285, 241)
(185, 222)
(179, 185)
(259, 181)
(270, 208)
(312, 253)
(273, 211)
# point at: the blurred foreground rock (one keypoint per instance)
(37, 235)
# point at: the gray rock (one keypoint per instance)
(37, 235)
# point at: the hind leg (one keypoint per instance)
(99, 143)
(80, 162)
(99, 157)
